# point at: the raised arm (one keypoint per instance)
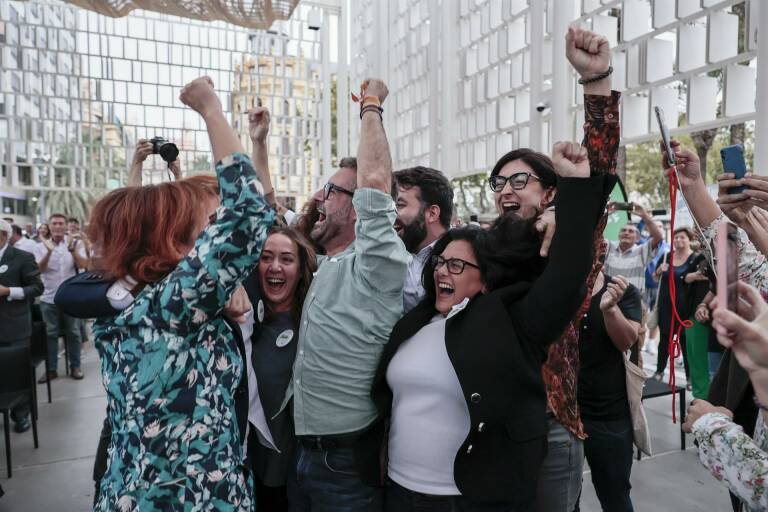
(142, 151)
(550, 305)
(226, 251)
(590, 56)
(374, 162)
(258, 130)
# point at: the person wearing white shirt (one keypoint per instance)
(58, 259)
(20, 242)
(424, 211)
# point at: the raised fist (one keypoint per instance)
(258, 124)
(375, 87)
(200, 96)
(570, 160)
(588, 53)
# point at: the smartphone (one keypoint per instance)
(665, 136)
(733, 161)
(727, 265)
(660, 211)
(623, 207)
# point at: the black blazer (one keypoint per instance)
(497, 345)
(19, 269)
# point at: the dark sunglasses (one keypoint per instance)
(330, 187)
(517, 181)
(454, 265)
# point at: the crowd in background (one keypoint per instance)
(370, 353)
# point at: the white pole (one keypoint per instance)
(761, 99)
(325, 106)
(342, 86)
(435, 29)
(449, 106)
(537, 49)
(562, 79)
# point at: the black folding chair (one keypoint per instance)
(39, 350)
(16, 387)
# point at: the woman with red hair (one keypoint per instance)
(170, 362)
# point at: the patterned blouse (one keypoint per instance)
(753, 267)
(561, 371)
(170, 366)
(734, 458)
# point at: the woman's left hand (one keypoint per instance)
(738, 330)
(570, 160)
(699, 408)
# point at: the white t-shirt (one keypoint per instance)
(25, 244)
(61, 266)
(430, 419)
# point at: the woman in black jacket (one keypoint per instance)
(459, 383)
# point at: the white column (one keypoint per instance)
(342, 85)
(536, 30)
(761, 99)
(435, 29)
(325, 107)
(449, 106)
(562, 78)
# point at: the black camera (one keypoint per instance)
(167, 150)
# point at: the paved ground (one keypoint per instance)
(57, 476)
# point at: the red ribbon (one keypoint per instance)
(676, 324)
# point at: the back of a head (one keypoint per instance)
(434, 188)
(513, 252)
(145, 231)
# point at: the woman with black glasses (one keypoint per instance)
(459, 383)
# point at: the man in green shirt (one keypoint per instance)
(350, 309)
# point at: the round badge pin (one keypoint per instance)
(260, 311)
(285, 338)
(3, 268)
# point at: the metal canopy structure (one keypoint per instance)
(255, 14)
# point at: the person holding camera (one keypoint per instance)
(144, 148)
(60, 258)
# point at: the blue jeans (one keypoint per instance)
(400, 499)
(560, 474)
(327, 481)
(56, 322)
(609, 451)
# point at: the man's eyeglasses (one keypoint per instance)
(517, 181)
(454, 265)
(330, 187)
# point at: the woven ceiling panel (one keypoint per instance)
(245, 13)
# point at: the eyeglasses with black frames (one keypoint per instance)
(518, 181)
(454, 265)
(330, 187)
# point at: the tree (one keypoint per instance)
(702, 141)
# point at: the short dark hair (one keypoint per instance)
(57, 215)
(16, 229)
(348, 162)
(72, 219)
(434, 188)
(688, 232)
(539, 162)
(474, 236)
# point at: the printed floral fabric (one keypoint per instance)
(561, 370)
(170, 365)
(734, 458)
(753, 268)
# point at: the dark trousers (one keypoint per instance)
(608, 449)
(102, 458)
(399, 499)
(327, 481)
(663, 353)
(55, 321)
(272, 499)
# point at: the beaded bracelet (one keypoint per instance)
(597, 78)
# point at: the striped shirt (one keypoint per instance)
(629, 264)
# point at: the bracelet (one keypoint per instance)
(374, 108)
(597, 78)
(758, 404)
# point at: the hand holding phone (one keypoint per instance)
(733, 162)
